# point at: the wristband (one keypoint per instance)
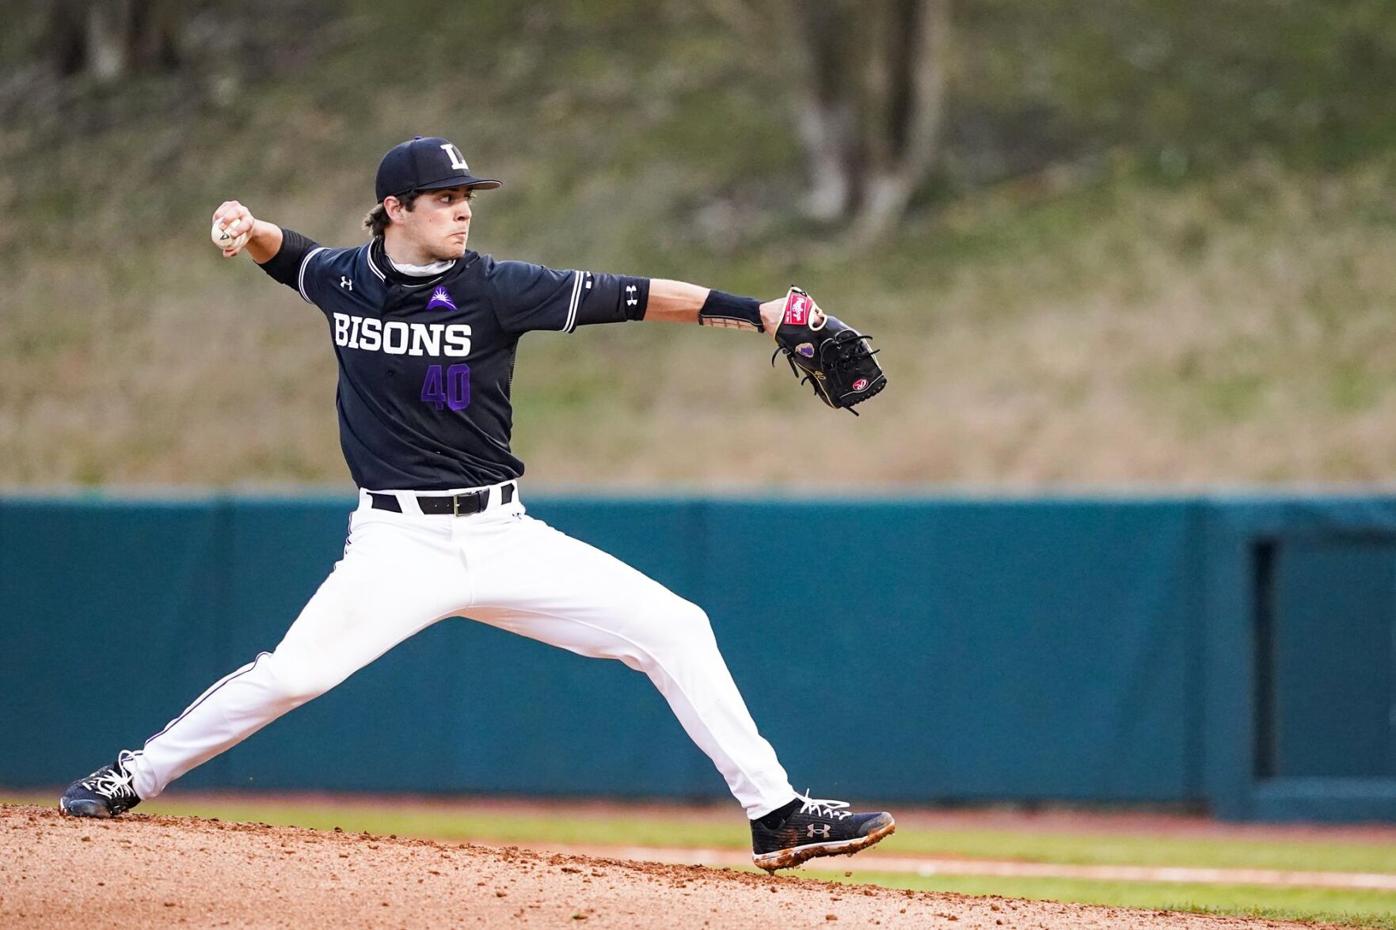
(731, 311)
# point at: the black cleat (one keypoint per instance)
(105, 793)
(816, 828)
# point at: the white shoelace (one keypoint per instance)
(112, 781)
(821, 807)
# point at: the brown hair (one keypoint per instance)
(377, 220)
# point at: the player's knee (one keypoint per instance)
(695, 619)
(686, 626)
(659, 629)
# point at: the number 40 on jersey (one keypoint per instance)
(448, 388)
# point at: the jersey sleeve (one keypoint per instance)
(532, 297)
(302, 264)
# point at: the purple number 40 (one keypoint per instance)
(451, 390)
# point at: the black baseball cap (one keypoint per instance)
(425, 164)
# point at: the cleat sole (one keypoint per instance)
(83, 808)
(789, 858)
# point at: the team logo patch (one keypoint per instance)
(797, 309)
(860, 384)
(441, 298)
(805, 349)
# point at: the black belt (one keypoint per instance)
(457, 505)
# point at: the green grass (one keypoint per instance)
(485, 825)
(1075, 849)
(460, 823)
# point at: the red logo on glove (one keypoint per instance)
(797, 308)
(860, 384)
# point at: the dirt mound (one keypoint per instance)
(146, 871)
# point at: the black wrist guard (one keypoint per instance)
(729, 310)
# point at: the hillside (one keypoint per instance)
(1089, 294)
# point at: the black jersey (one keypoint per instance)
(425, 363)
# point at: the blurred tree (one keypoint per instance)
(869, 78)
(110, 39)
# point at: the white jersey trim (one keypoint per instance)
(368, 253)
(300, 275)
(572, 305)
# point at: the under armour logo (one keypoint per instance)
(346, 283)
(630, 298)
(818, 829)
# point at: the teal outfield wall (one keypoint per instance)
(1232, 653)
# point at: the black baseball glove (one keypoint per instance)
(832, 356)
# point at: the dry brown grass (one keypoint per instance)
(1236, 331)
(1166, 344)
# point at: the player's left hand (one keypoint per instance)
(830, 355)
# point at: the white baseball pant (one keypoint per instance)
(402, 572)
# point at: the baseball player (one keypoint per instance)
(426, 332)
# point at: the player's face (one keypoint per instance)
(438, 225)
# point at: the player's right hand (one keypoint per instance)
(236, 220)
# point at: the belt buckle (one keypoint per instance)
(480, 498)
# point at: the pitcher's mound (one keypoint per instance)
(147, 871)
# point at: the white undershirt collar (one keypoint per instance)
(419, 271)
